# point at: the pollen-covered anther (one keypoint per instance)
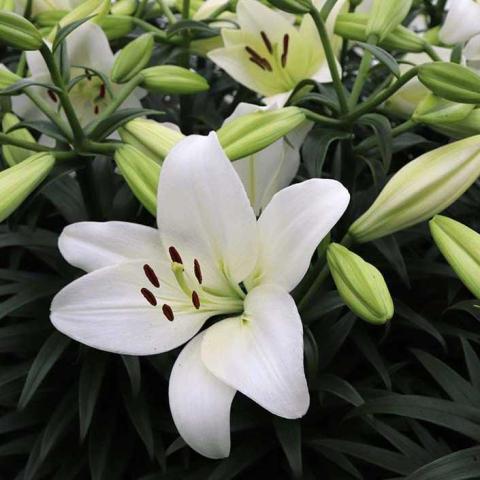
(96, 109)
(258, 60)
(151, 275)
(267, 42)
(195, 300)
(286, 41)
(101, 93)
(198, 271)
(149, 296)
(174, 255)
(52, 96)
(168, 312)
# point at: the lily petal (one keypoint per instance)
(106, 309)
(204, 212)
(292, 226)
(462, 22)
(200, 403)
(93, 245)
(261, 353)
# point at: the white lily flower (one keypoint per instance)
(87, 46)
(269, 54)
(149, 291)
(462, 22)
(40, 6)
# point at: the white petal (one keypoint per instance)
(261, 353)
(244, 108)
(105, 309)
(204, 212)
(36, 65)
(472, 53)
(93, 245)
(292, 226)
(200, 403)
(462, 22)
(280, 99)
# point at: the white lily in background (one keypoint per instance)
(149, 291)
(87, 46)
(40, 6)
(269, 54)
(462, 22)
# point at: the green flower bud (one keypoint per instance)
(86, 9)
(353, 26)
(124, 7)
(433, 110)
(361, 286)
(133, 58)
(11, 154)
(18, 32)
(19, 181)
(7, 5)
(173, 79)
(460, 246)
(451, 81)
(421, 189)
(251, 133)
(150, 137)
(116, 26)
(141, 174)
(7, 77)
(291, 6)
(385, 16)
(467, 127)
(50, 18)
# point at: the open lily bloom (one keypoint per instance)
(87, 48)
(269, 54)
(149, 291)
(462, 21)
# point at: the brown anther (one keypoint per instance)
(174, 255)
(52, 96)
(96, 110)
(286, 40)
(198, 271)
(267, 42)
(195, 300)
(266, 64)
(168, 312)
(252, 52)
(102, 91)
(150, 274)
(149, 296)
(258, 62)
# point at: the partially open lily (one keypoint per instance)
(149, 291)
(462, 21)
(269, 54)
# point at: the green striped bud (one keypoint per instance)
(460, 246)
(11, 154)
(291, 6)
(124, 7)
(7, 5)
(467, 127)
(361, 286)
(116, 26)
(433, 110)
(18, 32)
(50, 18)
(172, 79)
(385, 16)
(86, 9)
(7, 77)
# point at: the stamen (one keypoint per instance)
(253, 53)
(102, 91)
(195, 300)
(286, 40)
(267, 42)
(175, 256)
(198, 271)
(168, 312)
(266, 64)
(52, 96)
(150, 274)
(149, 296)
(96, 110)
(258, 62)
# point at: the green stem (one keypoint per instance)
(331, 59)
(6, 139)
(430, 51)
(167, 12)
(141, 8)
(108, 148)
(158, 34)
(218, 11)
(362, 74)
(321, 119)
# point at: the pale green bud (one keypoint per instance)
(467, 127)
(132, 58)
(251, 133)
(116, 26)
(124, 7)
(421, 189)
(172, 79)
(7, 5)
(19, 181)
(86, 9)
(361, 286)
(451, 81)
(50, 18)
(385, 16)
(433, 110)
(18, 32)
(141, 174)
(150, 137)
(7, 77)
(11, 154)
(460, 246)
(291, 6)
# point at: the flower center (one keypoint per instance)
(276, 57)
(92, 90)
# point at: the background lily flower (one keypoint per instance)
(87, 48)
(462, 22)
(39, 6)
(269, 54)
(209, 257)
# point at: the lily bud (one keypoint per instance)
(50, 18)
(124, 7)
(18, 32)
(251, 133)
(353, 26)
(7, 77)
(385, 16)
(141, 174)
(467, 127)
(11, 154)
(7, 5)
(132, 58)
(19, 181)
(421, 189)
(150, 137)
(297, 7)
(86, 9)
(451, 81)
(361, 286)
(116, 26)
(173, 79)
(460, 246)
(433, 110)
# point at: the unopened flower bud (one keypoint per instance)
(251, 133)
(19, 181)
(464, 128)
(7, 77)
(172, 79)
(385, 16)
(86, 9)
(18, 32)
(451, 81)
(124, 7)
(141, 174)
(7, 5)
(291, 6)
(132, 58)
(361, 286)
(11, 154)
(49, 18)
(460, 246)
(421, 189)
(116, 26)
(433, 110)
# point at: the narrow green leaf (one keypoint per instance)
(67, 30)
(132, 365)
(383, 57)
(289, 434)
